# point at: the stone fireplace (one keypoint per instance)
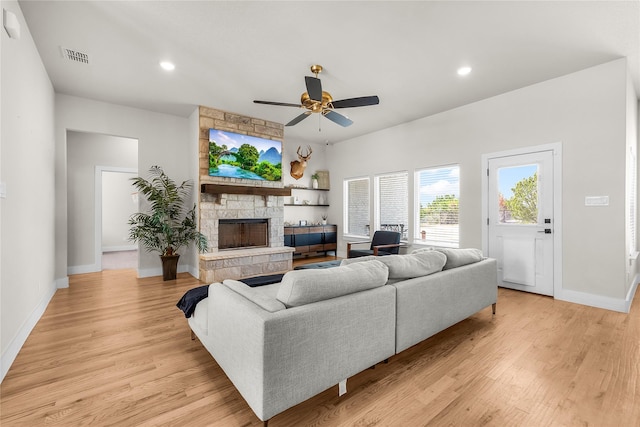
(242, 219)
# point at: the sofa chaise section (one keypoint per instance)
(278, 357)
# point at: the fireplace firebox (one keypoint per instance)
(243, 233)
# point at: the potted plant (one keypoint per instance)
(324, 218)
(314, 180)
(169, 225)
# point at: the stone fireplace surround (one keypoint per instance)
(218, 265)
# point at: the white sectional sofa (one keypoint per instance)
(283, 343)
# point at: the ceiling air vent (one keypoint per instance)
(74, 55)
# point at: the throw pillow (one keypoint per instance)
(300, 287)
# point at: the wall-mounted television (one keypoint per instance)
(233, 155)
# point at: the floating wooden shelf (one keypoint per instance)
(218, 189)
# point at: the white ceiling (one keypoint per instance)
(228, 53)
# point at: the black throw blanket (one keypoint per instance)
(193, 296)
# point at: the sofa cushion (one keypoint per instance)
(414, 265)
(347, 261)
(300, 287)
(401, 267)
(263, 296)
(460, 257)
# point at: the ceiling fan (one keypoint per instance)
(315, 100)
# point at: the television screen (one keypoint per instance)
(233, 155)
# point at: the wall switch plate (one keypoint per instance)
(596, 201)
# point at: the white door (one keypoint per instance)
(520, 223)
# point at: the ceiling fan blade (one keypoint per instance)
(283, 104)
(298, 119)
(362, 101)
(314, 88)
(338, 118)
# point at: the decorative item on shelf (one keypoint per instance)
(324, 219)
(321, 199)
(323, 179)
(168, 226)
(307, 202)
(298, 166)
(314, 180)
(303, 222)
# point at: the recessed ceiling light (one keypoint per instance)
(463, 71)
(166, 65)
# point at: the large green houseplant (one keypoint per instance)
(168, 225)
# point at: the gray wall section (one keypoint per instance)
(85, 151)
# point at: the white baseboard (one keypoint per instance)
(62, 282)
(12, 350)
(82, 269)
(598, 301)
(119, 248)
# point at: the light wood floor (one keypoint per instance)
(114, 350)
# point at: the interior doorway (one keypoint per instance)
(523, 226)
(119, 201)
(88, 155)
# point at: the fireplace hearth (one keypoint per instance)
(243, 233)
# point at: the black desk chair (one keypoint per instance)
(383, 243)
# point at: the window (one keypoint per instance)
(392, 209)
(437, 193)
(356, 193)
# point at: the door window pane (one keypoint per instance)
(518, 195)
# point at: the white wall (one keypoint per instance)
(584, 111)
(86, 151)
(317, 161)
(27, 280)
(163, 140)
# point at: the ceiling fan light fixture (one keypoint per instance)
(463, 71)
(316, 100)
(167, 65)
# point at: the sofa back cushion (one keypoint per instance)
(402, 267)
(414, 265)
(300, 287)
(457, 257)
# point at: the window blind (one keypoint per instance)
(357, 206)
(393, 202)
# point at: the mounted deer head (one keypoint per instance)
(298, 166)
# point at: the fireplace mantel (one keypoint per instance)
(218, 189)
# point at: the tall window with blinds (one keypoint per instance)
(392, 203)
(437, 193)
(356, 194)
